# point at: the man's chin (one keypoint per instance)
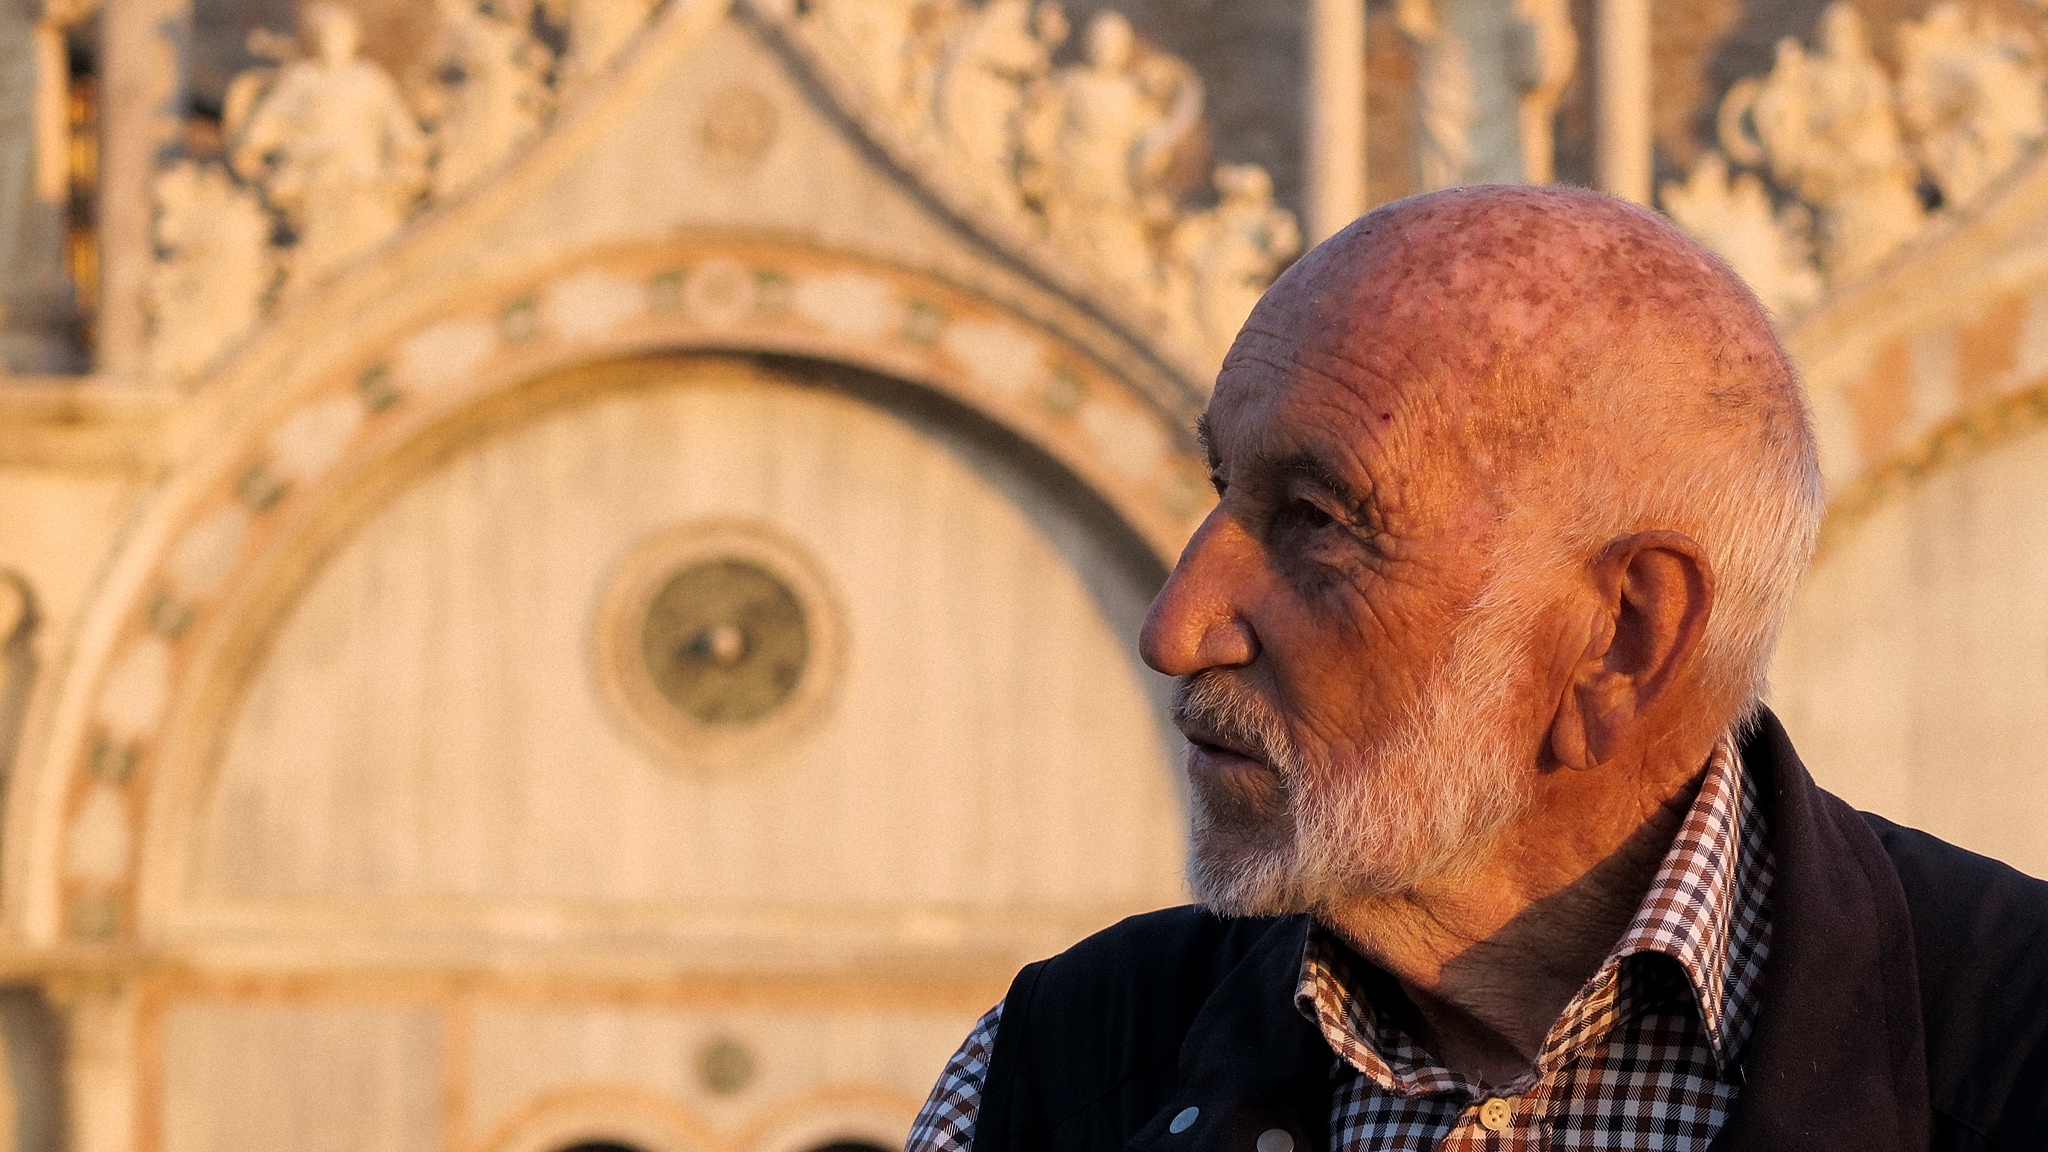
(1235, 874)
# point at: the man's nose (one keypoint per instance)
(1196, 622)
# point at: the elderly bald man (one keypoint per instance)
(1496, 846)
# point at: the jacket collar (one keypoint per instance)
(1837, 1059)
(1251, 1063)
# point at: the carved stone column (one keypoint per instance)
(1621, 98)
(141, 97)
(1336, 115)
(38, 312)
(102, 1012)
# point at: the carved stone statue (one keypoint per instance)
(1824, 124)
(18, 622)
(213, 266)
(1225, 257)
(1100, 155)
(1768, 250)
(1970, 92)
(487, 90)
(996, 54)
(1114, 137)
(1547, 51)
(334, 148)
(1444, 106)
(872, 40)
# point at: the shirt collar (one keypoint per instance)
(1704, 909)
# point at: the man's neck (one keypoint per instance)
(1491, 958)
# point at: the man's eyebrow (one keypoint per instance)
(1203, 438)
(1318, 471)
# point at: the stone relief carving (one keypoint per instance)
(214, 266)
(485, 89)
(327, 155)
(1444, 96)
(1225, 257)
(1101, 156)
(333, 147)
(1734, 217)
(1825, 125)
(1970, 91)
(598, 31)
(983, 85)
(1859, 154)
(1118, 116)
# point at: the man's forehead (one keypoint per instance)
(1282, 381)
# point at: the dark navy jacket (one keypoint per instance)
(1905, 1007)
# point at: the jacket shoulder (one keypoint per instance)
(1980, 936)
(1098, 1028)
(1158, 967)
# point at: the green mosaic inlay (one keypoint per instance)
(771, 291)
(113, 763)
(258, 489)
(924, 322)
(665, 291)
(376, 389)
(1065, 392)
(168, 616)
(519, 321)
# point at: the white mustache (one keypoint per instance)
(1213, 702)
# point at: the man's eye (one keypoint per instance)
(1309, 515)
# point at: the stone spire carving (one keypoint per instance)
(37, 306)
(1547, 55)
(18, 625)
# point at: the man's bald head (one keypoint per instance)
(1581, 364)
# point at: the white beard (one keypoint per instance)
(1421, 802)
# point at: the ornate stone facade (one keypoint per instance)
(599, 605)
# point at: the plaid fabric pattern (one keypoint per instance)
(1646, 1057)
(946, 1122)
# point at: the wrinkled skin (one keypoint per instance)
(1435, 383)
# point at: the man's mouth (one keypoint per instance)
(1211, 751)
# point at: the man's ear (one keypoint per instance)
(1653, 593)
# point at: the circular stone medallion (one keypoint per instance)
(717, 643)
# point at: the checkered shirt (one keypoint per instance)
(1647, 1056)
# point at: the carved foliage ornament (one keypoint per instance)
(1859, 152)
